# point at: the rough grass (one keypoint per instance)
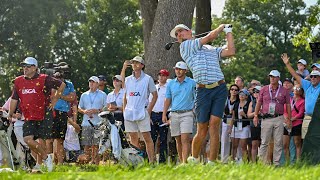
(219, 171)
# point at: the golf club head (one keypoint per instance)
(168, 45)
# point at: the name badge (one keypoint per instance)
(272, 108)
(239, 126)
(229, 120)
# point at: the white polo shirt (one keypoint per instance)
(158, 107)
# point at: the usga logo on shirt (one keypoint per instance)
(134, 94)
(29, 91)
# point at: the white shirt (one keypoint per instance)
(158, 107)
(118, 98)
(71, 142)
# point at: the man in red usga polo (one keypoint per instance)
(32, 89)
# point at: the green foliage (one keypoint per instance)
(263, 30)
(93, 36)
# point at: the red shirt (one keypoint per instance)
(32, 94)
(280, 97)
(296, 114)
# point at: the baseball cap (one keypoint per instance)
(102, 78)
(164, 72)
(30, 61)
(315, 73)
(94, 78)
(117, 77)
(275, 73)
(302, 61)
(244, 91)
(257, 88)
(179, 26)
(288, 79)
(181, 65)
(138, 59)
(316, 65)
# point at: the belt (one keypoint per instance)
(266, 116)
(181, 111)
(157, 112)
(211, 86)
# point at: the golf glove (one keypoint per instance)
(227, 28)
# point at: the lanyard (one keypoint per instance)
(92, 100)
(240, 108)
(270, 93)
(229, 105)
(293, 102)
(116, 96)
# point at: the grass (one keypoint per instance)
(219, 171)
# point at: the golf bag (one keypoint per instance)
(108, 131)
(10, 155)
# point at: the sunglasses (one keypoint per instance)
(256, 91)
(28, 65)
(313, 76)
(232, 89)
(116, 80)
(297, 88)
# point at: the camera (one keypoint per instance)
(60, 70)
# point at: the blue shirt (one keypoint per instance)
(92, 100)
(182, 95)
(63, 105)
(202, 60)
(311, 95)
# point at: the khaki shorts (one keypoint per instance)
(181, 123)
(138, 126)
(305, 126)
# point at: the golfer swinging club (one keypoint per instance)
(211, 93)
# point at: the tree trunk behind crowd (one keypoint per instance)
(203, 16)
(168, 13)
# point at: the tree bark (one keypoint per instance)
(203, 16)
(168, 14)
(148, 12)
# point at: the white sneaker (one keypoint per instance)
(239, 161)
(49, 162)
(210, 163)
(36, 167)
(192, 160)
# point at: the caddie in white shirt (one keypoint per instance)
(138, 86)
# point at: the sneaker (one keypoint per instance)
(49, 162)
(192, 160)
(239, 161)
(210, 163)
(36, 169)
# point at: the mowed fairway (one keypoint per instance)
(219, 171)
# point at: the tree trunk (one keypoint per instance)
(203, 16)
(148, 11)
(168, 14)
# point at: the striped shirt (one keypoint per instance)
(202, 60)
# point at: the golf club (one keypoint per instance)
(169, 45)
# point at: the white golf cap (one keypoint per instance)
(257, 88)
(94, 78)
(181, 65)
(179, 26)
(302, 61)
(275, 73)
(138, 59)
(30, 61)
(316, 65)
(117, 77)
(315, 73)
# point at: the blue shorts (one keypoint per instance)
(210, 102)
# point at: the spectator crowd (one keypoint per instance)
(199, 119)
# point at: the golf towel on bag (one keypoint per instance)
(311, 143)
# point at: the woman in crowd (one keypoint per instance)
(297, 114)
(225, 137)
(241, 128)
(255, 131)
